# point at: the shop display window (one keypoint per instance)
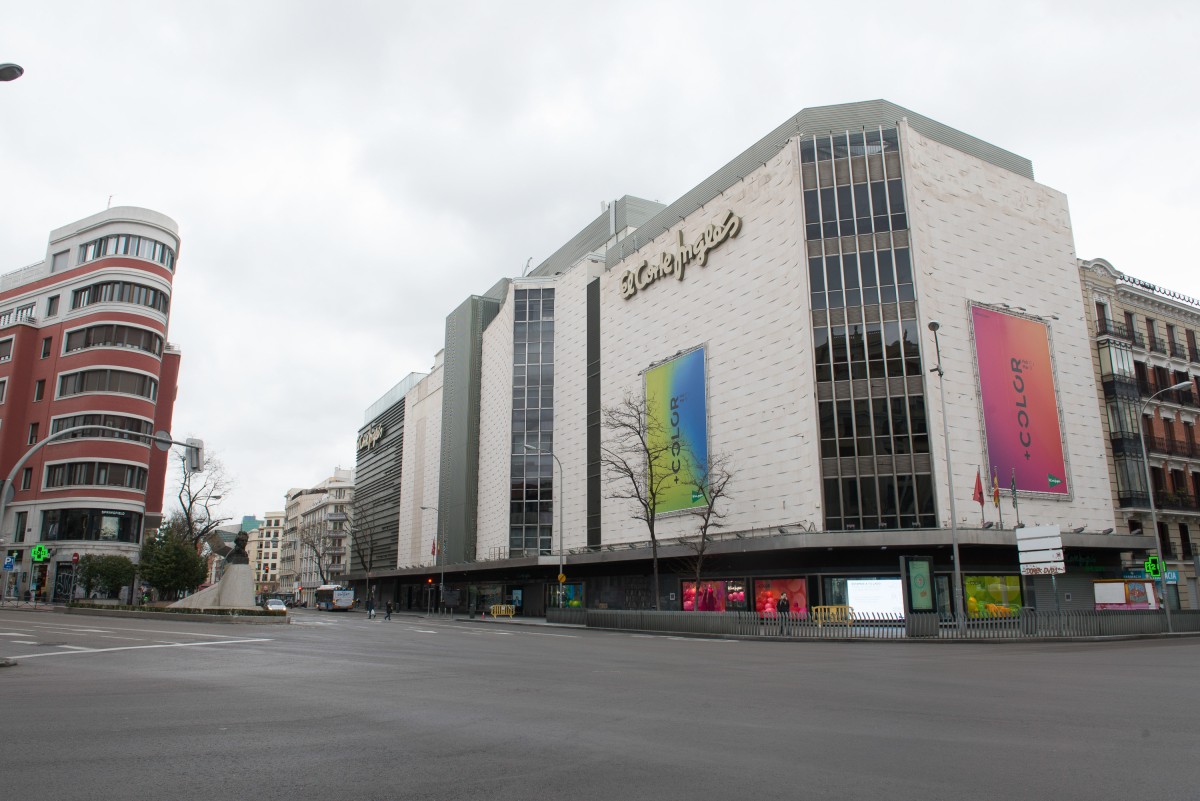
(768, 591)
(714, 596)
(992, 596)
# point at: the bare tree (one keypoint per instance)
(636, 459)
(712, 486)
(314, 537)
(198, 495)
(364, 524)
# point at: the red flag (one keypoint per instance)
(978, 488)
(433, 549)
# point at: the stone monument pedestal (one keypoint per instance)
(235, 590)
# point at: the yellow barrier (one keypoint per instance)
(503, 609)
(841, 615)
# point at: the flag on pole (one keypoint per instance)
(996, 494)
(433, 549)
(1014, 497)
(978, 489)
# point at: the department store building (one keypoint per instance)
(778, 315)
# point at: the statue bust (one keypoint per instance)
(233, 556)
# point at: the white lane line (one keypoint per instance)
(68, 627)
(424, 631)
(118, 637)
(75, 647)
(698, 639)
(137, 647)
(24, 642)
(15, 634)
(547, 634)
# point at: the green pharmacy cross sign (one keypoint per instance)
(1154, 568)
(40, 553)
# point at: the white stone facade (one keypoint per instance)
(982, 234)
(421, 478)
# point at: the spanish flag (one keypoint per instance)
(995, 489)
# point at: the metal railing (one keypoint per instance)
(1120, 330)
(1172, 446)
(1025, 624)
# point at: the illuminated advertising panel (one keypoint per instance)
(1020, 410)
(675, 400)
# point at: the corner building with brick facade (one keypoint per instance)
(83, 341)
(795, 286)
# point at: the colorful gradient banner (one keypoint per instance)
(675, 397)
(1020, 411)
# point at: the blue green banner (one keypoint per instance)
(677, 415)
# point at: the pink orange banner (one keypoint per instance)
(1020, 411)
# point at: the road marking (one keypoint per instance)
(118, 637)
(137, 647)
(14, 634)
(75, 647)
(24, 642)
(425, 631)
(69, 626)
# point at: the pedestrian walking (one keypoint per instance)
(387, 611)
(370, 608)
(782, 609)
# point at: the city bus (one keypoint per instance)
(334, 598)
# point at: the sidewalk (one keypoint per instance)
(461, 618)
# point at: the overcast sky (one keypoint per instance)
(345, 174)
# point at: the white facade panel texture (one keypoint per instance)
(749, 306)
(985, 235)
(422, 471)
(495, 432)
(570, 404)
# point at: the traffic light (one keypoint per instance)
(194, 455)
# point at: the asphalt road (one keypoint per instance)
(338, 707)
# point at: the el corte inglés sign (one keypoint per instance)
(673, 262)
(368, 438)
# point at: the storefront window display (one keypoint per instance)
(714, 596)
(768, 591)
(992, 596)
(572, 595)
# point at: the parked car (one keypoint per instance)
(275, 605)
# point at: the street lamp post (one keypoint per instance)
(561, 491)
(441, 556)
(934, 325)
(1150, 495)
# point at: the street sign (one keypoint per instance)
(75, 558)
(1040, 551)
(562, 577)
(9, 563)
